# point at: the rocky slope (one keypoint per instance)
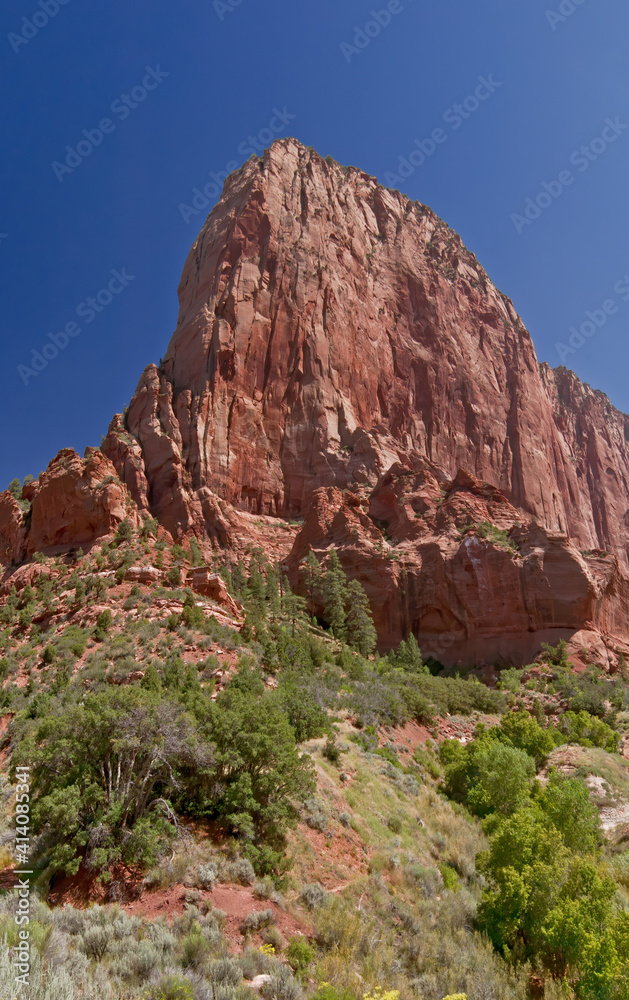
(335, 336)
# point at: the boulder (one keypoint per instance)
(143, 574)
(205, 581)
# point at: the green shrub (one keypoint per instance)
(73, 641)
(510, 680)
(255, 921)
(103, 625)
(556, 655)
(566, 802)
(48, 655)
(501, 779)
(305, 715)
(331, 751)
(588, 731)
(195, 950)
(171, 987)
(525, 733)
(192, 617)
(328, 992)
(450, 877)
(149, 528)
(489, 532)
(124, 532)
(313, 896)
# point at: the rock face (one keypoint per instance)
(456, 565)
(329, 328)
(341, 357)
(75, 502)
(13, 530)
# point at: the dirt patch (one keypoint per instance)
(7, 879)
(333, 860)
(84, 888)
(407, 737)
(235, 901)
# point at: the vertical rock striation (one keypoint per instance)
(341, 357)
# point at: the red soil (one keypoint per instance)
(236, 902)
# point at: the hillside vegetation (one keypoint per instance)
(218, 797)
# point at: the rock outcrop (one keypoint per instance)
(456, 565)
(13, 530)
(340, 356)
(75, 501)
(143, 574)
(330, 328)
(205, 581)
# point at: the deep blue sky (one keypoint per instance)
(227, 71)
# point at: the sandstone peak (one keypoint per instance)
(337, 339)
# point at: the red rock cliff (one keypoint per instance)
(340, 356)
(329, 328)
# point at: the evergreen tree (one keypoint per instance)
(15, 489)
(312, 580)
(408, 656)
(239, 579)
(272, 590)
(360, 630)
(256, 584)
(334, 593)
(293, 606)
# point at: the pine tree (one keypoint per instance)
(334, 593)
(273, 589)
(293, 606)
(238, 579)
(312, 580)
(360, 631)
(15, 489)
(408, 656)
(256, 583)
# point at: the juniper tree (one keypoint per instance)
(102, 773)
(15, 489)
